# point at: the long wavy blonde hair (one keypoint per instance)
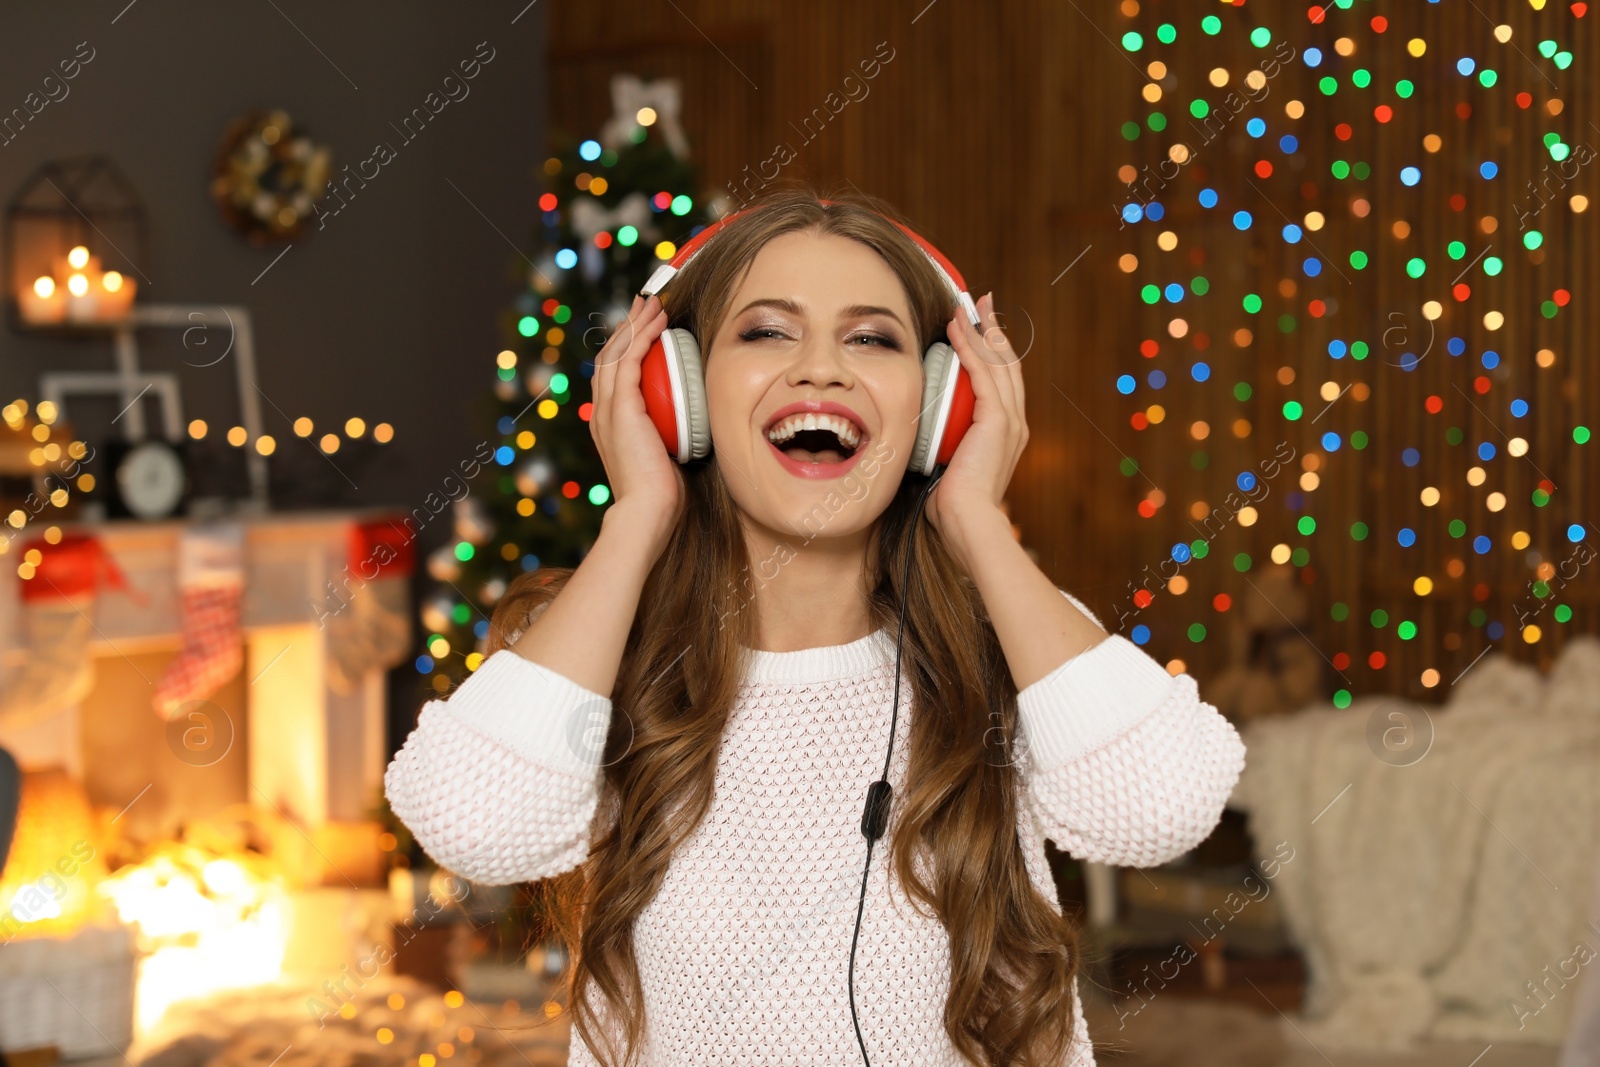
(1013, 954)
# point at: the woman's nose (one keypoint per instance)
(819, 361)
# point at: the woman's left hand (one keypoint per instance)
(974, 483)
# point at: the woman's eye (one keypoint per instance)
(760, 333)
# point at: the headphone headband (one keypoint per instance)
(947, 271)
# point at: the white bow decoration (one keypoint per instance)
(589, 216)
(628, 94)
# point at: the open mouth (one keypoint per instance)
(816, 438)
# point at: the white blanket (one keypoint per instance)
(1447, 896)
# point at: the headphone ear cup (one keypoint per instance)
(698, 419)
(675, 394)
(947, 403)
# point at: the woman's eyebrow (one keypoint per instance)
(858, 310)
(793, 308)
(781, 303)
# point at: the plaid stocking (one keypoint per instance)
(211, 577)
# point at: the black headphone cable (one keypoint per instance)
(875, 816)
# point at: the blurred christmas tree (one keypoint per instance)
(617, 207)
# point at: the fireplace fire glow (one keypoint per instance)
(205, 923)
(190, 917)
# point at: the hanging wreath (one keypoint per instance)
(267, 176)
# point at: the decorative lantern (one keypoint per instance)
(76, 233)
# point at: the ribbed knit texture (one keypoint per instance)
(744, 950)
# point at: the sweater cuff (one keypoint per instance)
(1075, 602)
(540, 714)
(1090, 699)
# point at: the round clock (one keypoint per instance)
(151, 480)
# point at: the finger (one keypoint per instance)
(651, 323)
(996, 335)
(619, 335)
(615, 353)
(984, 331)
(627, 330)
(1011, 370)
(1010, 367)
(629, 362)
(601, 384)
(978, 369)
(599, 387)
(630, 369)
(632, 317)
(994, 340)
(992, 365)
(604, 385)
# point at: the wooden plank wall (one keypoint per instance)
(995, 127)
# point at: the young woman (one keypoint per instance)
(684, 727)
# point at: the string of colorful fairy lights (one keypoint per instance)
(1343, 61)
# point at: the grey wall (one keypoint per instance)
(393, 310)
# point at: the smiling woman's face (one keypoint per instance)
(819, 322)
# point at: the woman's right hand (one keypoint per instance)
(645, 480)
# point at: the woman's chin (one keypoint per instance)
(828, 516)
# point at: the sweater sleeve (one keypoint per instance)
(500, 782)
(1127, 765)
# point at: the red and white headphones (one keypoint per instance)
(674, 385)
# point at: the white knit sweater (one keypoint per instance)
(743, 953)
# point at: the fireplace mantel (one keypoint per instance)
(313, 752)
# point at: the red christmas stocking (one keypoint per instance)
(211, 582)
(58, 596)
(369, 624)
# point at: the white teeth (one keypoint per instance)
(842, 427)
